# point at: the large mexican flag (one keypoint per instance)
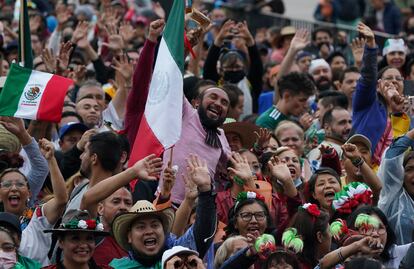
(34, 95)
(160, 127)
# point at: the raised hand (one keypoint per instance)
(62, 15)
(245, 33)
(224, 32)
(300, 40)
(49, 60)
(240, 168)
(115, 41)
(85, 139)
(64, 55)
(198, 172)
(279, 170)
(80, 32)
(367, 33)
(357, 47)
(124, 67)
(325, 149)
(16, 127)
(159, 11)
(351, 151)
(127, 32)
(148, 168)
(155, 29)
(191, 191)
(263, 138)
(47, 149)
(168, 180)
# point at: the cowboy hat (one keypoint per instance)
(122, 223)
(244, 130)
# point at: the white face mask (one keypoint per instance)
(7, 259)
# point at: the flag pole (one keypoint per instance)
(21, 39)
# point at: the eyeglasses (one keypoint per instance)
(191, 264)
(394, 78)
(247, 216)
(8, 184)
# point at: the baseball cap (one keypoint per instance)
(10, 221)
(71, 126)
(359, 138)
(175, 251)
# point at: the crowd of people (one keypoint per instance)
(296, 147)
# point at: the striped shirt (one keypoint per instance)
(271, 118)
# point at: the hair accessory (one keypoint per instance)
(311, 209)
(247, 195)
(291, 240)
(339, 229)
(366, 222)
(351, 196)
(265, 245)
(90, 224)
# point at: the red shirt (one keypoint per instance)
(108, 250)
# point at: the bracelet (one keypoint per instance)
(358, 162)
(341, 258)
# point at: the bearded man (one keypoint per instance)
(201, 135)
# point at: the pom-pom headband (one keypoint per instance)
(247, 195)
(352, 195)
(291, 240)
(312, 209)
(265, 245)
(366, 222)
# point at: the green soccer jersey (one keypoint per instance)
(271, 118)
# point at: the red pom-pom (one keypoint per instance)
(91, 224)
(314, 210)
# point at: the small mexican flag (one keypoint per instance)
(33, 95)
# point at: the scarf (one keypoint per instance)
(212, 137)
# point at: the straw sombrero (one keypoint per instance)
(122, 223)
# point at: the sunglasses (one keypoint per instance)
(190, 264)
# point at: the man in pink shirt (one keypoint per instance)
(200, 135)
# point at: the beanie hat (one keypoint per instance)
(392, 45)
(318, 63)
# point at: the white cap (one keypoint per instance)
(174, 251)
(318, 63)
(392, 45)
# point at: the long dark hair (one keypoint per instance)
(369, 210)
(307, 227)
(234, 211)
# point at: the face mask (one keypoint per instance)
(234, 76)
(7, 260)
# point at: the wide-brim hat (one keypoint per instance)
(245, 130)
(122, 223)
(76, 220)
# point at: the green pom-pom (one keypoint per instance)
(288, 235)
(362, 220)
(291, 240)
(296, 244)
(264, 239)
(336, 228)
